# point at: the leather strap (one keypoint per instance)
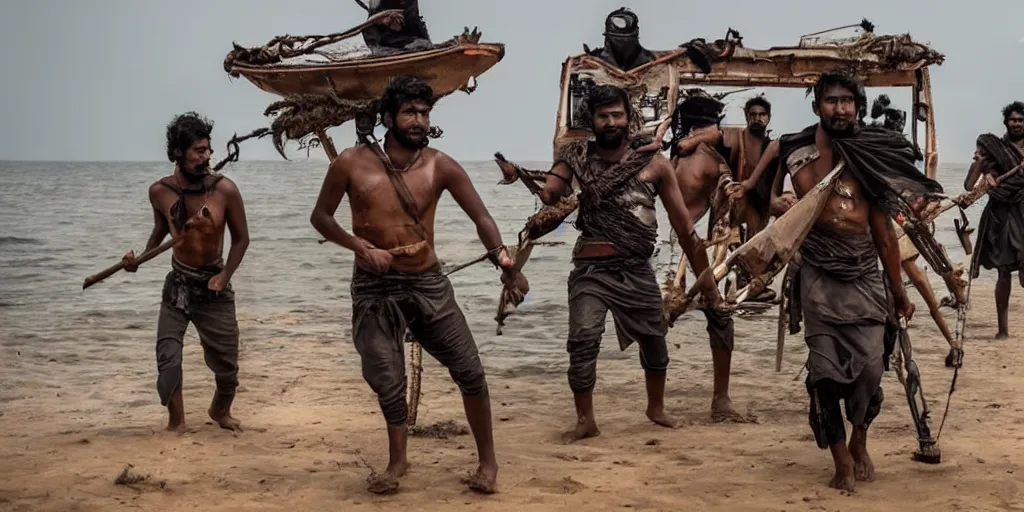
(405, 196)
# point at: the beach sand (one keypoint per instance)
(312, 427)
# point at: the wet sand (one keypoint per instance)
(313, 430)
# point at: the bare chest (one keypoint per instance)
(205, 212)
(373, 192)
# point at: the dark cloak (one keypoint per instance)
(1001, 228)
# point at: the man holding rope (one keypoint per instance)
(195, 205)
(397, 281)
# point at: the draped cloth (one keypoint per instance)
(1001, 228)
(882, 161)
(845, 308)
(187, 298)
(607, 195)
(627, 288)
(384, 306)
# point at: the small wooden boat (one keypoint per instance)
(449, 67)
(323, 85)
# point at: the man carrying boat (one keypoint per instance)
(397, 281)
(612, 271)
(700, 172)
(195, 204)
(1001, 229)
(837, 286)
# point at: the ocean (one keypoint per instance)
(63, 221)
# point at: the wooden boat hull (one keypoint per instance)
(446, 69)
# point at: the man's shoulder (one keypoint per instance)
(165, 183)
(225, 185)
(438, 157)
(806, 133)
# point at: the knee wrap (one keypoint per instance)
(874, 407)
(825, 416)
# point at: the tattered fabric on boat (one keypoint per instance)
(412, 36)
(1001, 228)
(610, 193)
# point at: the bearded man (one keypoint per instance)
(397, 282)
(1001, 229)
(618, 230)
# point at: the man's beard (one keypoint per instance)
(403, 139)
(830, 127)
(610, 138)
(757, 128)
(196, 175)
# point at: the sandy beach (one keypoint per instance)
(313, 431)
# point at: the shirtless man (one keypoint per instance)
(397, 281)
(746, 147)
(779, 203)
(1001, 228)
(612, 271)
(196, 204)
(841, 290)
(698, 173)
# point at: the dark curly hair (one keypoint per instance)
(403, 89)
(1016, 106)
(758, 101)
(184, 131)
(845, 80)
(605, 95)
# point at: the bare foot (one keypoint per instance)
(484, 481)
(1002, 336)
(583, 430)
(843, 480)
(176, 425)
(386, 482)
(722, 411)
(221, 414)
(176, 413)
(863, 468)
(659, 417)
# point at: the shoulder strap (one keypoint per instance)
(404, 194)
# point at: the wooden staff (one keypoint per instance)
(142, 258)
(969, 198)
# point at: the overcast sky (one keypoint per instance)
(100, 79)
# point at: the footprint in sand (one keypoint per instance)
(684, 460)
(550, 486)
